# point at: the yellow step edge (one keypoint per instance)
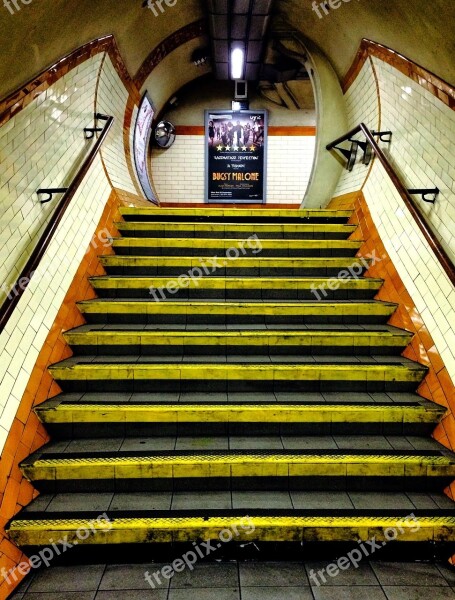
(233, 283)
(244, 528)
(238, 372)
(225, 244)
(238, 465)
(215, 262)
(236, 212)
(241, 227)
(270, 339)
(153, 307)
(239, 413)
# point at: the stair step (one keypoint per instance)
(68, 420)
(61, 412)
(283, 288)
(163, 229)
(161, 310)
(241, 527)
(274, 469)
(250, 246)
(92, 340)
(237, 215)
(101, 373)
(333, 503)
(257, 266)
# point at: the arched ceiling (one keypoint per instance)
(45, 30)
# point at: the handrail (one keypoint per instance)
(413, 208)
(343, 138)
(21, 283)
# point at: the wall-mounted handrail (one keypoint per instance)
(413, 208)
(21, 284)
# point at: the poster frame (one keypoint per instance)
(207, 200)
(150, 193)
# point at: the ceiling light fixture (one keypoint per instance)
(237, 63)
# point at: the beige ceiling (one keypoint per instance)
(45, 30)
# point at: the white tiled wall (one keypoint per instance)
(111, 100)
(43, 145)
(178, 173)
(423, 145)
(361, 106)
(423, 150)
(425, 280)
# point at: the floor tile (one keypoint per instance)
(131, 595)
(90, 502)
(342, 592)
(131, 577)
(382, 500)
(192, 500)
(77, 578)
(204, 594)
(60, 596)
(202, 443)
(416, 574)
(273, 574)
(208, 575)
(363, 575)
(316, 500)
(251, 500)
(276, 593)
(417, 593)
(309, 443)
(447, 573)
(142, 501)
(255, 443)
(143, 444)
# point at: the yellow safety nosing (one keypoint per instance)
(236, 212)
(269, 339)
(240, 227)
(248, 527)
(225, 244)
(233, 283)
(239, 413)
(213, 263)
(239, 372)
(241, 465)
(151, 307)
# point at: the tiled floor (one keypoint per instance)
(242, 581)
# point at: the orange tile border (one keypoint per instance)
(305, 131)
(428, 80)
(172, 42)
(19, 99)
(437, 385)
(227, 205)
(27, 434)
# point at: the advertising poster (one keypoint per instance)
(236, 156)
(142, 133)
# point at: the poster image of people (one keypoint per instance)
(236, 147)
(142, 133)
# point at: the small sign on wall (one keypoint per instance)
(142, 133)
(236, 156)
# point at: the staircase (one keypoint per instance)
(262, 394)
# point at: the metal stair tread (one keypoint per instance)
(335, 503)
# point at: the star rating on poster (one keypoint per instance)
(221, 148)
